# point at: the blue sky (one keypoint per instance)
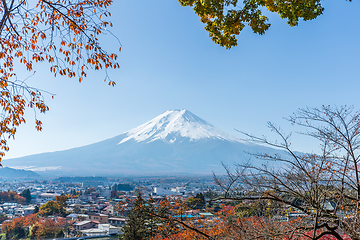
(169, 62)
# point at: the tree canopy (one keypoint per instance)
(225, 19)
(141, 224)
(12, 196)
(63, 34)
(52, 208)
(27, 195)
(33, 227)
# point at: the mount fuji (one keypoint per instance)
(175, 142)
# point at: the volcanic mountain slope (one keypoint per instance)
(175, 142)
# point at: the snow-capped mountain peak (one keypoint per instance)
(175, 124)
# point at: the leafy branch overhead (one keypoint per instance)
(225, 19)
(62, 33)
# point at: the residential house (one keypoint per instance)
(117, 222)
(110, 230)
(83, 225)
(102, 218)
(28, 211)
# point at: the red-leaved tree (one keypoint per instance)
(62, 33)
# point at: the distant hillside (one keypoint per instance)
(6, 172)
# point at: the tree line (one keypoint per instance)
(13, 197)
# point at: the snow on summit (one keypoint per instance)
(174, 125)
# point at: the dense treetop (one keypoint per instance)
(225, 19)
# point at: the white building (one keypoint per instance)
(117, 222)
(72, 201)
(110, 230)
(159, 191)
(45, 197)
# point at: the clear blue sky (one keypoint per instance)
(169, 62)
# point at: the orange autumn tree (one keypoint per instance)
(11, 196)
(62, 33)
(227, 224)
(48, 228)
(177, 221)
(16, 228)
(34, 227)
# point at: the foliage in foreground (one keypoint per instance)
(149, 222)
(33, 227)
(225, 19)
